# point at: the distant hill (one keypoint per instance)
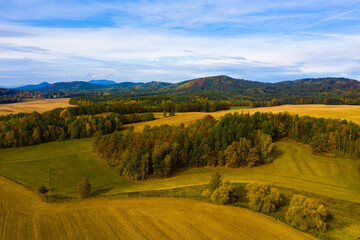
(312, 90)
(128, 84)
(102, 82)
(225, 87)
(123, 87)
(75, 86)
(222, 84)
(34, 86)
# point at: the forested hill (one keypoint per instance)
(222, 84)
(238, 92)
(225, 84)
(125, 87)
(312, 90)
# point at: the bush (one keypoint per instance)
(215, 182)
(206, 195)
(306, 214)
(263, 197)
(223, 194)
(42, 189)
(219, 191)
(84, 188)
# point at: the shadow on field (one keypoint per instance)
(100, 192)
(276, 152)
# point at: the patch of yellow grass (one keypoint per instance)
(37, 105)
(24, 216)
(349, 112)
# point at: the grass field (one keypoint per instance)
(34, 105)
(238, 108)
(24, 216)
(66, 163)
(349, 112)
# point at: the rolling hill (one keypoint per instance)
(34, 86)
(102, 82)
(227, 87)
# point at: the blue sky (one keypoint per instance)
(177, 40)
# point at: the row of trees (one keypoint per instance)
(162, 150)
(89, 106)
(33, 128)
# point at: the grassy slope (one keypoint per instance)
(295, 167)
(24, 216)
(37, 105)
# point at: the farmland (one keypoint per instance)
(348, 112)
(61, 165)
(34, 105)
(70, 161)
(25, 216)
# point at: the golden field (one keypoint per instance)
(34, 105)
(24, 216)
(349, 112)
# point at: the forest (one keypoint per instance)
(236, 140)
(92, 105)
(25, 129)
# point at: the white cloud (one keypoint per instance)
(152, 48)
(126, 51)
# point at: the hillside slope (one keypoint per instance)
(225, 87)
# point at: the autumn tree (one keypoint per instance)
(263, 197)
(224, 193)
(306, 214)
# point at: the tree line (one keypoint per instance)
(25, 129)
(91, 106)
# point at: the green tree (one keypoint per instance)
(224, 194)
(36, 136)
(215, 181)
(263, 197)
(84, 188)
(306, 214)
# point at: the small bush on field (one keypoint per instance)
(84, 188)
(42, 189)
(206, 194)
(306, 214)
(219, 191)
(224, 194)
(263, 197)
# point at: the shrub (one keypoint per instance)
(206, 195)
(42, 189)
(223, 194)
(215, 182)
(84, 188)
(263, 197)
(306, 214)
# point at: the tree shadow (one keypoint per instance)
(101, 191)
(276, 152)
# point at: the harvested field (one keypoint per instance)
(24, 216)
(36, 105)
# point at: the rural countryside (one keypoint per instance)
(161, 119)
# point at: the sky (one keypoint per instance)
(172, 41)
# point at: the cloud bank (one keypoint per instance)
(168, 41)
